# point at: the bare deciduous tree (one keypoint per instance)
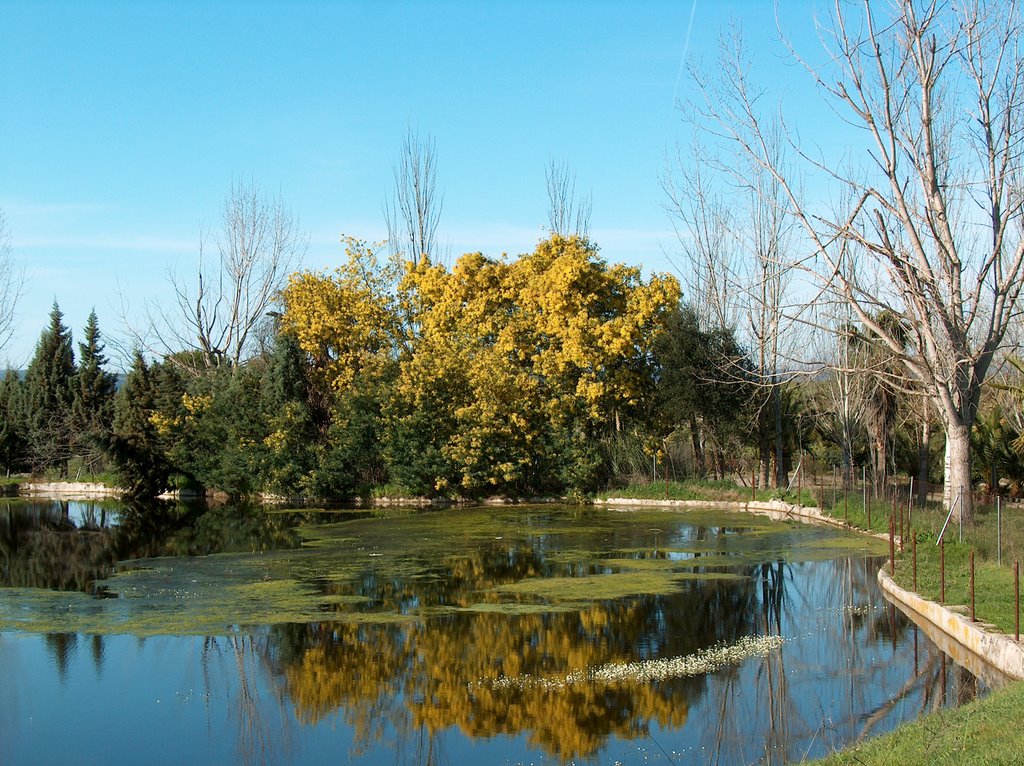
(414, 210)
(738, 254)
(936, 90)
(216, 316)
(10, 283)
(567, 216)
(704, 223)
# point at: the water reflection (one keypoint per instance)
(70, 545)
(402, 666)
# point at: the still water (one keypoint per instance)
(510, 635)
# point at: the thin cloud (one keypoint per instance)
(23, 209)
(134, 243)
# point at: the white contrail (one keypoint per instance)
(686, 48)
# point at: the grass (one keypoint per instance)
(108, 478)
(985, 731)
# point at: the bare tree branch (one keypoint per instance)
(215, 317)
(414, 210)
(936, 89)
(567, 216)
(11, 283)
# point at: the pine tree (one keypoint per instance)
(49, 393)
(93, 404)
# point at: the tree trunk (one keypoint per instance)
(780, 461)
(924, 458)
(698, 452)
(957, 483)
(881, 465)
(764, 449)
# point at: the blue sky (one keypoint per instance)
(123, 125)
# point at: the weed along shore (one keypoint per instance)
(984, 731)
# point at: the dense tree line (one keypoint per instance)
(551, 373)
(62, 410)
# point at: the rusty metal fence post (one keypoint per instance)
(913, 544)
(972, 584)
(942, 571)
(892, 547)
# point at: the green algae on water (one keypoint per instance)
(417, 565)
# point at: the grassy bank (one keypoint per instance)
(985, 731)
(996, 539)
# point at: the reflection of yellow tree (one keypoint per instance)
(440, 670)
(417, 672)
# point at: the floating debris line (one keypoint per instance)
(705, 661)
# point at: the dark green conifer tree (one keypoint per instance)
(12, 437)
(93, 404)
(49, 393)
(135, 445)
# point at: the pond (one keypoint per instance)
(500, 635)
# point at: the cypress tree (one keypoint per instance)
(49, 393)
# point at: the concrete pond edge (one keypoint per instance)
(973, 645)
(67, 490)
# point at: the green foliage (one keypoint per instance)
(12, 437)
(292, 427)
(212, 428)
(136, 446)
(92, 408)
(704, 387)
(996, 442)
(49, 394)
(349, 456)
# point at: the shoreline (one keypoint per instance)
(970, 644)
(66, 490)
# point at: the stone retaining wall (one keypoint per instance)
(965, 641)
